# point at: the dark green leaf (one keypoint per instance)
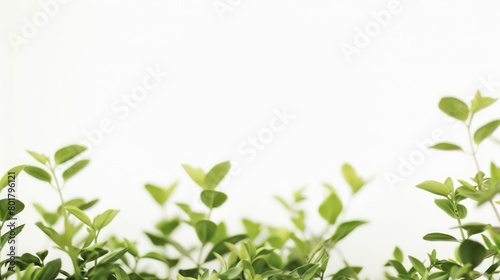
(471, 252)
(50, 270)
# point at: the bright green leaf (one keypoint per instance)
(79, 214)
(196, 174)
(38, 173)
(352, 178)
(160, 195)
(435, 188)
(479, 102)
(485, 131)
(216, 174)
(102, 220)
(75, 168)
(331, 208)
(213, 199)
(446, 146)
(454, 107)
(43, 159)
(67, 153)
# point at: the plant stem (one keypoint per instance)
(460, 226)
(74, 259)
(476, 162)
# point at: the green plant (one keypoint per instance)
(471, 251)
(260, 252)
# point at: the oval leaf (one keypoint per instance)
(102, 220)
(67, 153)
(213, 199)
(352, 178)
(471, 252)
(485, 131)
(205, 230)
(437, 236)
(454, 107)
(435, 188)
(446, 147)
(38, 173)
(75, 168)
(79, 214)
(216, 174)
(330, 208)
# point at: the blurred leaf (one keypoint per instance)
(43, 159)
(221, 248)
(398, 254)
(352, 178)
(67, 153)
(446, 146)
(10, 208)
(196, 174)
(160, 195)
(331, 208)
(213, 199)
(216, 174)
(454, 108)
(38, 173)
(479, 102)
(345, 229)
(485, 131)
(5, 178)
(419, 266)
(50, 270)
(75, 168)
(205, 230)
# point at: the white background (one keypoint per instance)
(226, 79)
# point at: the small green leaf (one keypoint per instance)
(419, 266)
(168, 226)
(435, 188)
(67, 153)
(6, 177)
(485, 131)
(331, 208)
(50, 270)
(345, 229)
(196, 174)
(75, 168)
(38, 173)
(216, 174)
(221, 248)
(102, 220)
(205, 230)
(43, 159)
(446, 206)
(160, 195)
(213, 199)
(231, 273)
(454, 107)
(446, 146)
(479, 102)
(436, 236)
(79, 214)
(398, 254)
(471, 252)
(132, 248)
(352, 178)
(10, 208)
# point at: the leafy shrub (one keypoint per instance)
(261, 251)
